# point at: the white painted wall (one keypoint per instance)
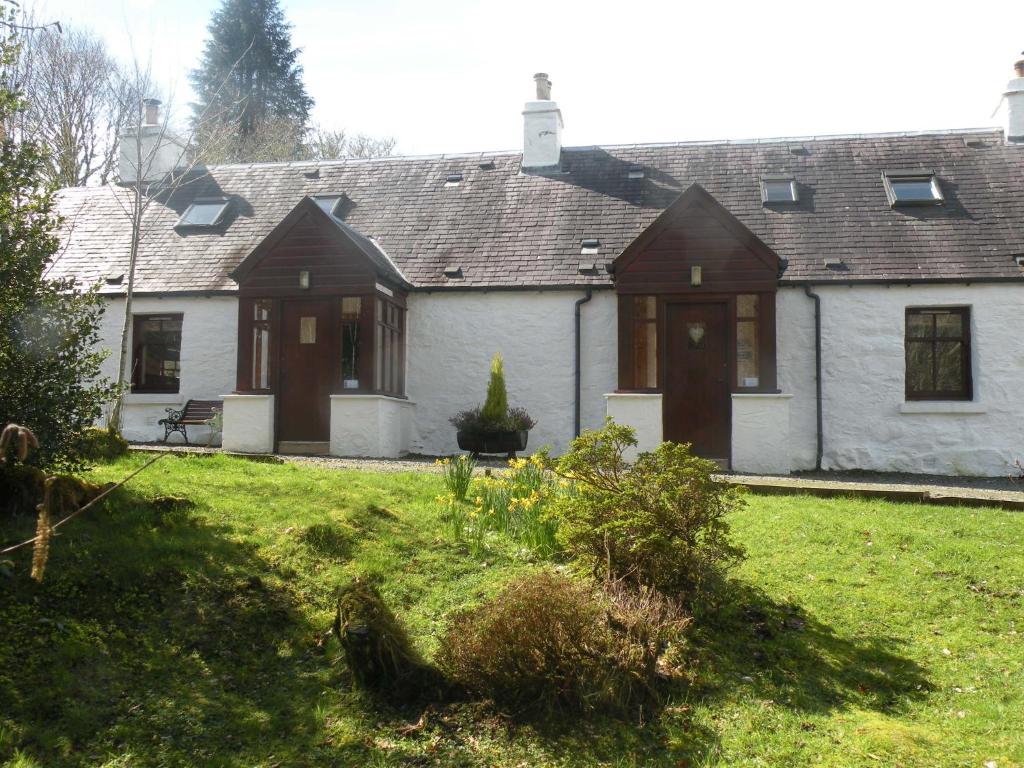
(867, 424)
(249, 423)
(452, 337)
(643, 412)
(209, 336)
(370, 425)
(760, 434)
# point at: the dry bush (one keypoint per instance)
(548, 643)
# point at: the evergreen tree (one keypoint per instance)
(495, 408)
(49, 363)
(249, 76)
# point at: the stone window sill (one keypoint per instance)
(941, 406)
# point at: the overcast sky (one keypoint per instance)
(452, 75)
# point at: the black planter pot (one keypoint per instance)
(506, 442)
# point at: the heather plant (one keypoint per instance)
(660, 522)
(550, 643)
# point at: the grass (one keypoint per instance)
(858, 633)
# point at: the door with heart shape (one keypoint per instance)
(696, 394)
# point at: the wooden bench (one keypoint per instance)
(195, 412)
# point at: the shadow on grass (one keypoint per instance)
(749, 644)
(155, 635)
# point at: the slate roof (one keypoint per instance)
(508, 229)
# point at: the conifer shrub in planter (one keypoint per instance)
(493, 427)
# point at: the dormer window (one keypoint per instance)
(329, 204)
(912, 188)
(204, 212)
(778, 189)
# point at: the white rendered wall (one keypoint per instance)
(209, 337)
(760, 434)
(643, 412)
(370, 425)
(452, 337)
(249, 423)
(867, 423)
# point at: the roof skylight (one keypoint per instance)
(329, 204)
(778, 190)
(912, 188)
(204, 212)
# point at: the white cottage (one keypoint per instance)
(848, 302)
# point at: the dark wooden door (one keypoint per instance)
(696, 373)
(307, 361)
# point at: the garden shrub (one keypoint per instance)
(659, 522)
(496, 405)
(102, 444)
(548, 643)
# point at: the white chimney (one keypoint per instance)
(542, 128)
(1015, 105)
(149, 152)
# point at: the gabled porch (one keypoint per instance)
(321, 342)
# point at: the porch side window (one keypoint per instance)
(645, 342)
(747, 362)
(156, 353)
(389, 376)
(261, 344)
(938, 351)
(351, 310)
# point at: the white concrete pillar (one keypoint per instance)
(248, 423)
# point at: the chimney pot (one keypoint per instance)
(152, 111)
(1018, 67)
(543, 86)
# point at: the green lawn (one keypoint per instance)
(859, 633)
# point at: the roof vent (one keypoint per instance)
(114, 277)
(486, 165)
(835, 262)
(453, 180)
(589, 246)
(635, 173)
(587, 268)
(976, 143)
(798, 150)
(314, 174)
(1019, 258)
(453, 272)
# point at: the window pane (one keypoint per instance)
(908, 190)
(156, 355)
(695, 335)
(645, 355)
(949, 324)
(747, 371)
(746, 306)
(949, 369)
(307, 330)
(919, 366)
(645, 308)
(778, 192)
(260, 357)
(919, 325)
(350, 354)
(261, 310)
(351, 307)
(378, 347)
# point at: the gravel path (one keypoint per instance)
(940, 484)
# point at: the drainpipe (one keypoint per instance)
(817, 370)
(579, 304)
